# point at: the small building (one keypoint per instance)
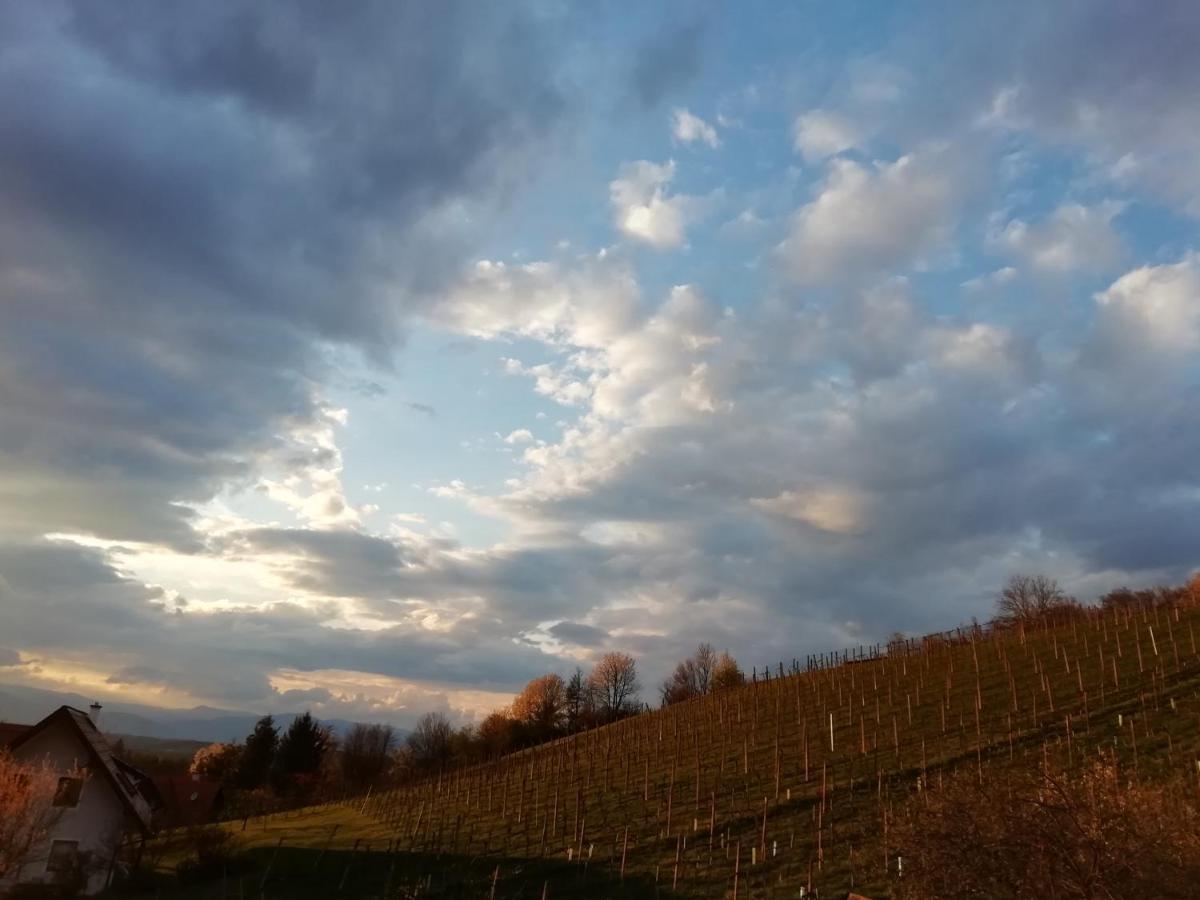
(9, 732)
(112, 804)
(187, 801)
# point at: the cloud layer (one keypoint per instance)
(955, 334)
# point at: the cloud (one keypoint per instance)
(203, 217)
(151, 350)
(820, 133)
(644, 210)
(687, 128)
(519, 436)
(1134, 116)
(1072, 238)
(871, 218)
(423, 408)
(666, 62)
(586, 305)
(991, 280)
(838, 510)
(579, 634)
(1153, 312)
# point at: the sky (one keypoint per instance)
(376, 358)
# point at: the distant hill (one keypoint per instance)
(205, 724)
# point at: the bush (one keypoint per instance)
(213, 851)
(1030, 834)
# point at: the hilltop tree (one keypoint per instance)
(495, 734)
(727, 673)
(429, 745)
(1028, 598)
(692, 677)
(541, 706)
(366, 752)
(615, 683)
(258, 754)
(578, 701)
(301, 749)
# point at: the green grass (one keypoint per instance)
(335, 851)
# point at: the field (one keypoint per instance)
(785, 786)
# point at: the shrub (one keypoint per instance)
(212, 851)
(1030, 834)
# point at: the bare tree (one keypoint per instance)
(366, 753)
(430, 742)
(615, 683)
(1027, 598)
(693, 677)
(704, 661)
(579, 701)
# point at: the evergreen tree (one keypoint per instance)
(301, 749)
(258, 754)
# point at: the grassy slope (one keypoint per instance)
(682, 792)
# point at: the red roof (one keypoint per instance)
(187, 799)
(9, 732)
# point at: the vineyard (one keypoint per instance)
(790, 785)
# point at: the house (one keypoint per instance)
(9, 732)
(111, 804)
(187, 800)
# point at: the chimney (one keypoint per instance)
(95, 711)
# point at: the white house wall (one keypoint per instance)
(96, 822)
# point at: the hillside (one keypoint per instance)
(789, 786)
(792, 782)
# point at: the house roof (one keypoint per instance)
(10, 731)
(125, 780)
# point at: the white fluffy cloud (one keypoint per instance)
(687, 128)
(839, 510)
(870, 218)
(820, 134)
(585, 306)
(644, 210)
(1155, 309)
(1072, 238)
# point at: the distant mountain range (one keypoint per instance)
(26, 705)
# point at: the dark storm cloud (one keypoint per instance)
(194, 195)
(579, 634)
(1113, 78)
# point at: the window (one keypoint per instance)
(68, 791)
(63, 855)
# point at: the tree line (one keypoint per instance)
(549, 707)
(297, 760)
(307, 754)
